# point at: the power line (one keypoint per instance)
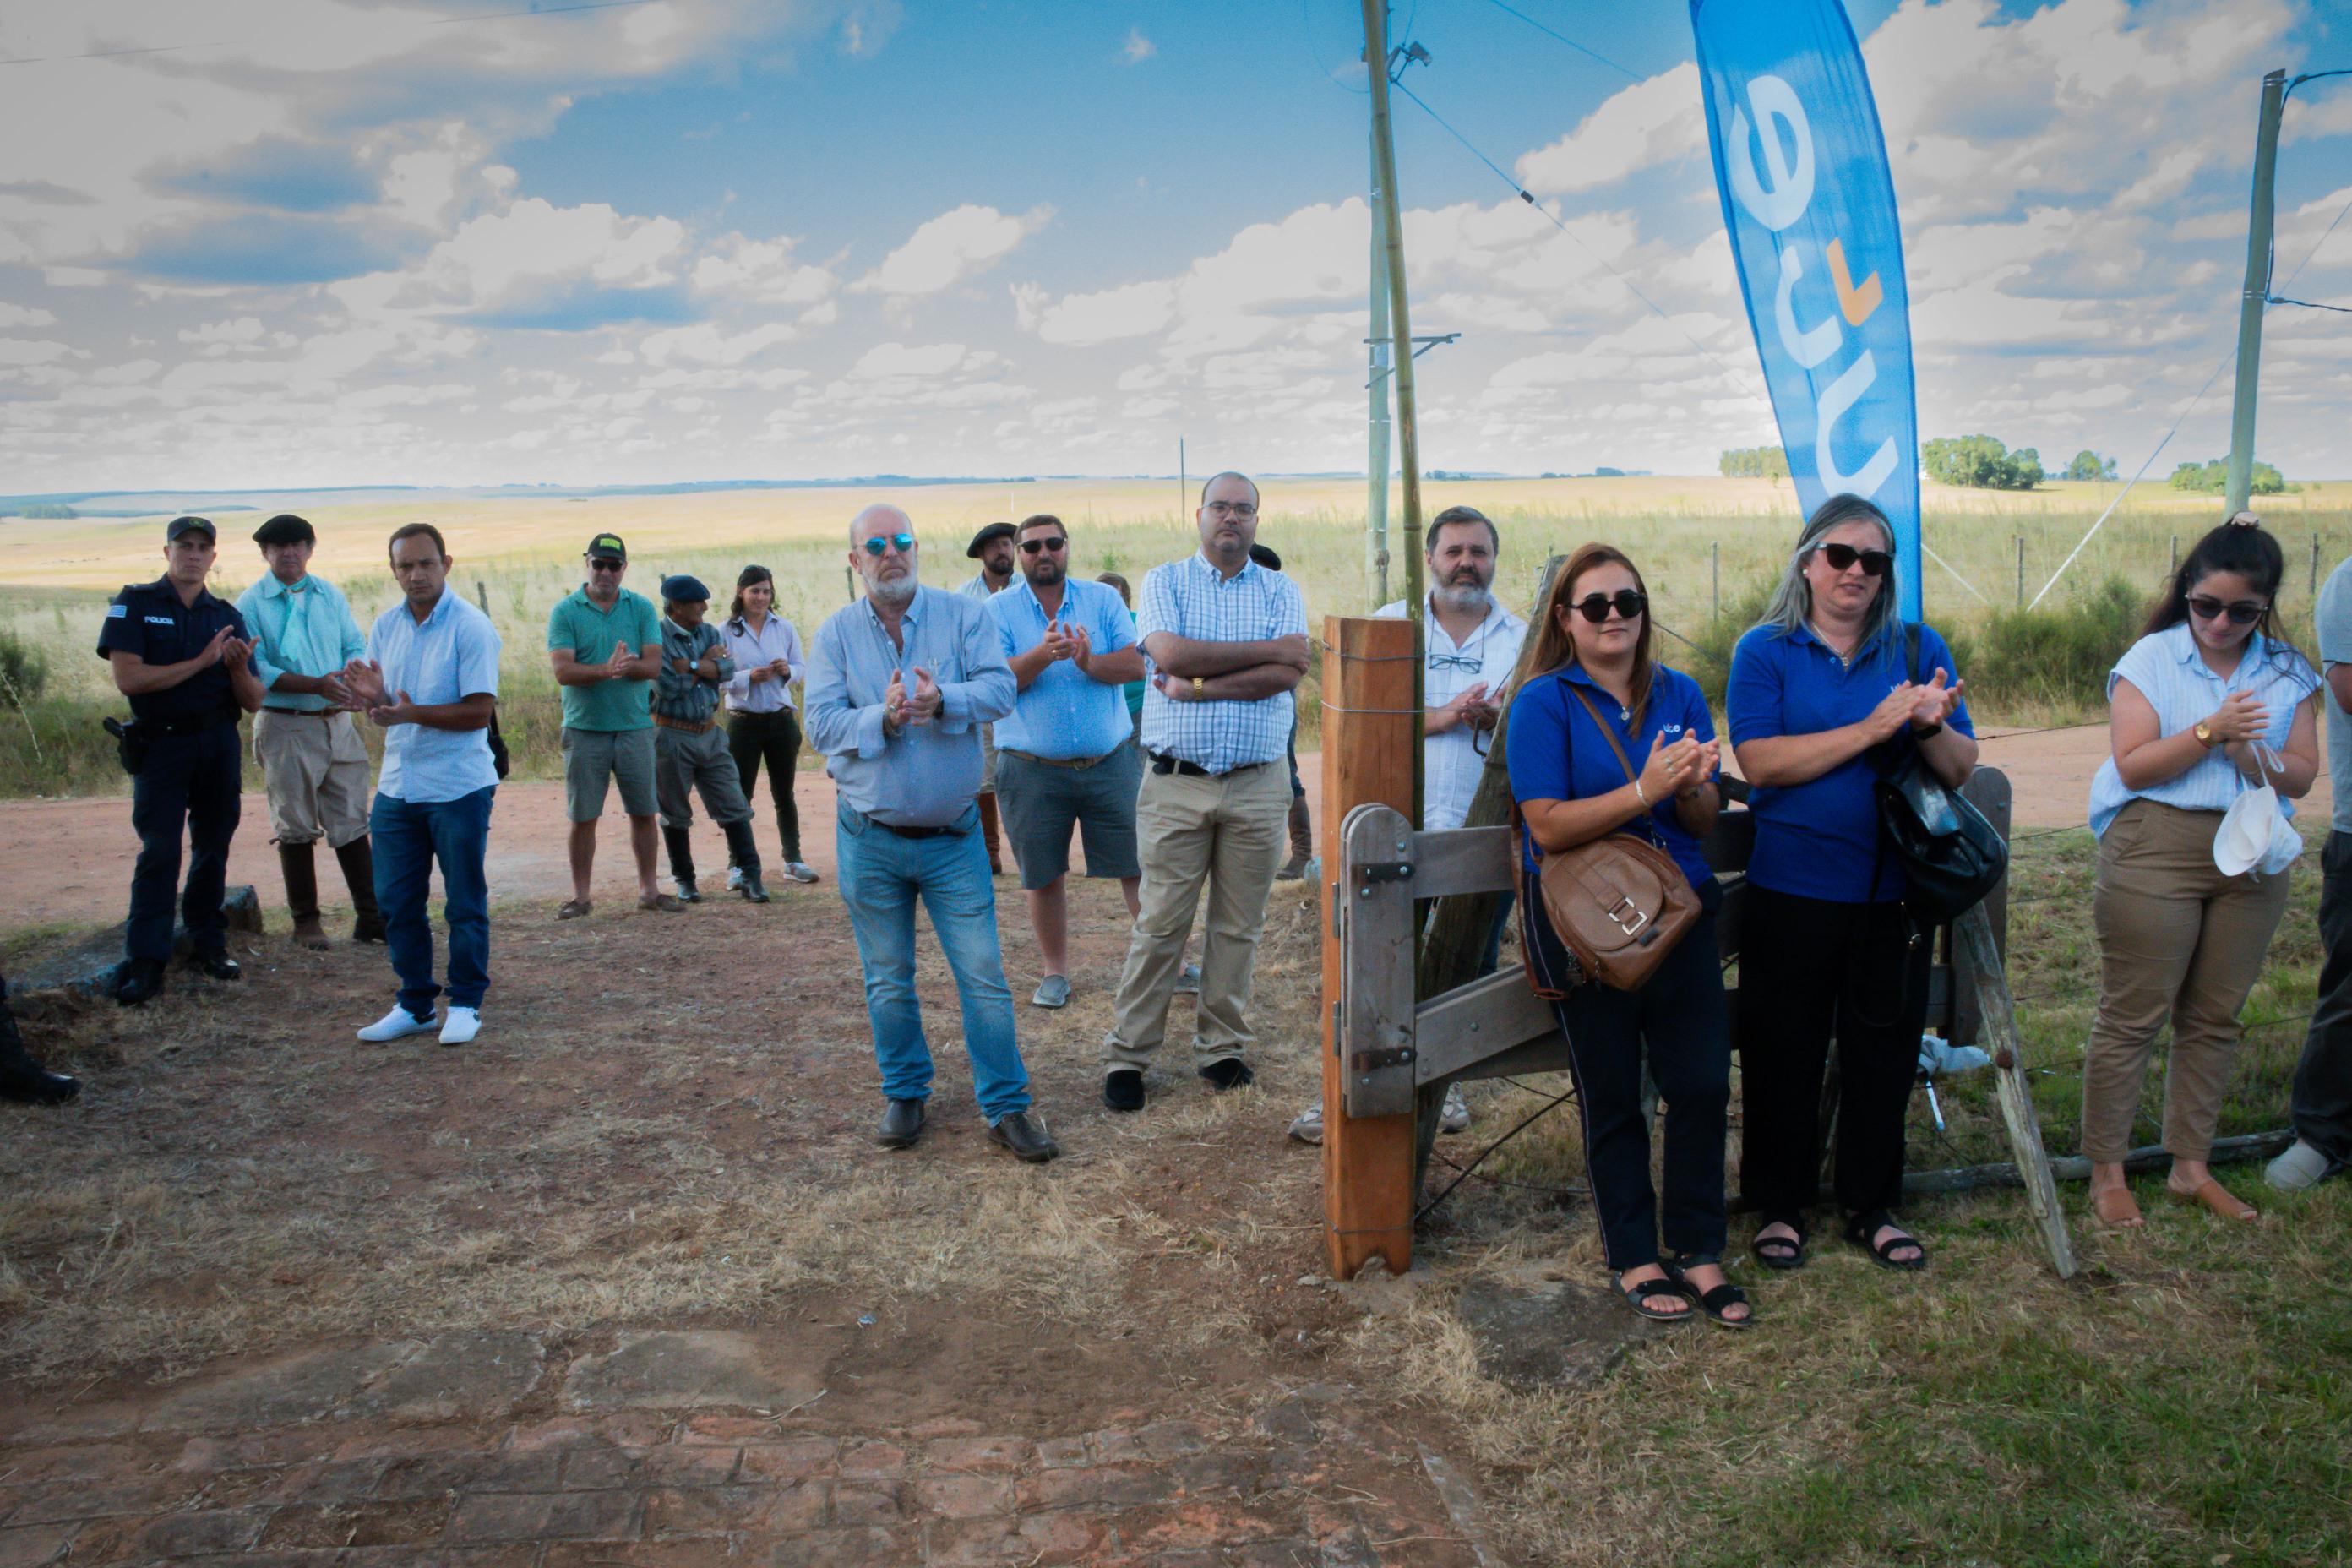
(552, 10)
(1571, 43)
(2308, 304)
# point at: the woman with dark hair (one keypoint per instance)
(1600, 695)
(1825, 695)
(761, 726)
(2210, 701)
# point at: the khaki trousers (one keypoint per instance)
(315, 768)
(1228, 833)
(2177, 940)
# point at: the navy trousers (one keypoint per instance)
(188, 784)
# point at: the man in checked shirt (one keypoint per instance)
(1227, 643)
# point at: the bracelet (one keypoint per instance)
(1639, 794)
(1935, 729)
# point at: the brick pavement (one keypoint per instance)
(318, 1459)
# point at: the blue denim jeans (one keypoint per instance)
(880, 876)
(410, 836)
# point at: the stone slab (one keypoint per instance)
(691, 1369)
(458, 1376)
(285, 1392)
(1550, 1334)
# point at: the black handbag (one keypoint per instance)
(1952, 856)
(499, 758)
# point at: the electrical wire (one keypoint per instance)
(1571, 43)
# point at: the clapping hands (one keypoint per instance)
(1933, 703)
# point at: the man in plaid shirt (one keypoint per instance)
(1226, 642)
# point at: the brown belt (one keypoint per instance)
(1078, 765)
(689, 726)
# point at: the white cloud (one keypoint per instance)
(950, 248)
(25, 316)
(705, 344)
(531, 255)
(1646, 124)
(1079, 320)
(1138, 49)
(763, 271)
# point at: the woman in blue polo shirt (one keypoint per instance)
(1593, 647)
(1824, 696)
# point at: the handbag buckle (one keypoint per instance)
(1617, 918)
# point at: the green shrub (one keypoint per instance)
(1702, 649)
(2057, 658)
(24, 671)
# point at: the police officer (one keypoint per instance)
(183, 658)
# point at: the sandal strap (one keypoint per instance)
(1649, 1287)
(1724, 1295)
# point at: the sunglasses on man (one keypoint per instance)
(879, 543)
(2241, 613)
(1595, 607)
(605, 564)
(1841, 557)
(1031, 547)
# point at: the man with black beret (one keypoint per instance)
(183, 658)
(314, 765)
(992, 547)
(690, 748)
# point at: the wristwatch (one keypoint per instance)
(2205, 736)
(1197, 686)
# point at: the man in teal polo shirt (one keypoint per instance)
(605, 644)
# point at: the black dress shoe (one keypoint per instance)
(137, 981)
(754, 890)
(1231, 1073)
(902, 1123)
(1025, 1136)
(28, 1082)
(1123, 1090)
(219, 965)
(687, 893)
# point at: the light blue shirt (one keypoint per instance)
(1066, 713)
(2183, 690)
(305, 629)
(452, 655)
(1193, 599)
(927, 775)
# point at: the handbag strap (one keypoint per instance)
(1607, 734)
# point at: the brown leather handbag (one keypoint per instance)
(1618, 903)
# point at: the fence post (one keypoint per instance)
(2315, 566)
(1714, 580)
(2020, 571)
(2175, 567)
(1368, 730)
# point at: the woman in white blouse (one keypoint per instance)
(2209, 702)
(762, 727)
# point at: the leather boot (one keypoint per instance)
(299, 864)
(681, 863)
(1302, 839)
(23, 1079)
(988, 830)
(745, 852)
(358, 861)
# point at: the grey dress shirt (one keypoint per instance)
(927, 775)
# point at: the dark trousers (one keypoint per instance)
(1680, 1022)
(189, 783)
(773, 738)
(2323, 1080)
(1810, 968)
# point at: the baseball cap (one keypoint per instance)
(180, 525)
(607, 544)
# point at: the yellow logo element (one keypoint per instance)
(1856, 303)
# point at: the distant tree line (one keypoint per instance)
(2211, 479)
(1754, 463)
(48, 510)
(1981, 463)
(2089, 464)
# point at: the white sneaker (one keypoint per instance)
(734, 878)
(1308, 1125)
(1455, 1115)
(396, 1024)
(800, 871)
(2299, 1167)
(463, 1024)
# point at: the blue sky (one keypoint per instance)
(340, 242)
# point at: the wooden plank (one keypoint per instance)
(1972, 933)
(1376, 1012)
(1368, 754)
(1464, 860)
(1488, 1016)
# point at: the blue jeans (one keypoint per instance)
(880, 876)
(410, 836)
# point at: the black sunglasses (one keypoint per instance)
(1031, 547)
(2206, 608)
(876, 545)
(1595, 607)
(1841, 557)
(605, 564)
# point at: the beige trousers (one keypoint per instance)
(2177, 940)
(1227, 833)
(315, 768)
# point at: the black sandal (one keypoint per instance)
(1714, 1302)
(1638, 1297)
(1862, 1228)
(1779, 1251)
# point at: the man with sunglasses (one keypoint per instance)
(897, 684)
(992, 547)
(1065, 756)
(1227, 643)
(605, 642)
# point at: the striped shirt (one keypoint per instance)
(2164, 669)
(1193, 599)
(752, 650)
(688, 696)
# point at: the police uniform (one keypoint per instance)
(191, 773)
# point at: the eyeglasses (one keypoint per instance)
(1455, 661)
(903, 543)
(2241, 613)
(1031, 547)
(605, 564)
(1841, 557)
(1239, 510)
(1595, 607)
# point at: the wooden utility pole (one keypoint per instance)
(2257, 295)
(1376, 453)
(1376, 56)
(1369, 752)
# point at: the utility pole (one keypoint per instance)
(1376, 458)
(1376, 56)
(2257, 295)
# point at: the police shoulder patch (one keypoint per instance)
(117, 612)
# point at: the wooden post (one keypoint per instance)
(2020, 571)
(2315, 566)
(1974, 931)
(2175, 567)
(1369, 666)
(1714, 580)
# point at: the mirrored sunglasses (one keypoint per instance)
(879, 543)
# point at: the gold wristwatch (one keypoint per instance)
(2205, 736)
(1198, 683)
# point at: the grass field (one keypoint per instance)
(1703, 542)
